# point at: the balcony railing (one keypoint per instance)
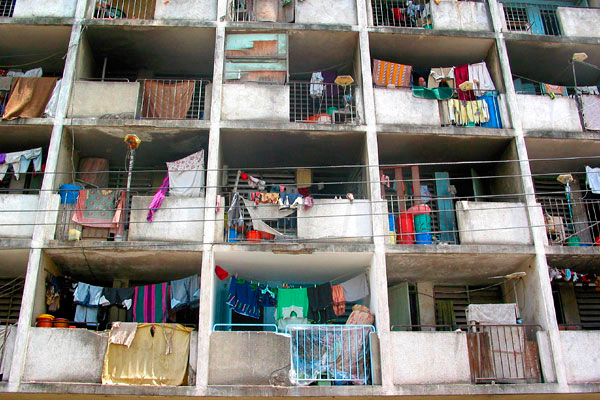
(403, 13)
(124, 9)
(326, 103)
(574, 222)
(503, 353)
(531, 17)
(172, 99)
(7, 7)
(332, 353)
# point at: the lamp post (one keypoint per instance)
(133, 142)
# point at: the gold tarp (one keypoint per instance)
(156, 356)
(28, 97)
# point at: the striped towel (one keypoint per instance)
(388, 73)
(150, 303)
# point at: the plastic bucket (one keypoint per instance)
(406, 229)
(573, 241)
(253, 236)
(233, 237)
(68, 193)
(266, 236)
(330, 110)
(423, 229)
(392, 222)
(61, 323)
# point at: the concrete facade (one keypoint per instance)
(104, 99)
(179, 219)
(460, 15)
(253, 101)
(54, 8)
(18, 214)
(45, 362)
(579, 22)
(186, 9)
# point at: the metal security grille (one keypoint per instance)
(588, 303)
(531, 17)
(7, 7)
(462, 296)
(124, 9)
(172, 98)
(322, 103)
(403, 13)
(11, 292)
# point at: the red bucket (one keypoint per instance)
(406, 229)
(253, 236)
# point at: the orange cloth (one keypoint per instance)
(388, 73)
(28, 97)
(339, 301)
(167, 100)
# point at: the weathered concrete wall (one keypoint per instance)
(246, 358)
(579, 22)
(508, 180)
(543, 113)
(96, 99)
(67, 158)
(330, 218)
(582, 355)
(416, 352)
(326, 12)
(65, 355)
(252, 101)
(426, 304)
(178, 219)
(460, 15)
(186, 9)
(546, 360)
(18, 210)
(7, 353)
(85, 65)
(52, 8)
(492, 223)
(399, 106)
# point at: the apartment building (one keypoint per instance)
(428, 167)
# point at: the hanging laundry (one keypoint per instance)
(20, 161)
(360, 315)
(221, 273)
(316, 85)
(592, 90)
(243, 298)
(303, 178)
(591, 112)
(28, 98)
(330, 76)
(87, 297)
(388, 73)
(339, 301)
(553, 89)
(256, 183)
(234, 213)
(150, 303)
(320, 304)
(100, 209)
(439, 75)
(186, 176)
(480, 76)
(123, 333)
(592, 179)
(185, 292)
(121, 297)
(94, 171)
(493, 110)
(267, 297)
(461, 74)
(356, 288)
(292, 298)
(158, 198)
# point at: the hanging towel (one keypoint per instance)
(554, 89)
(150, 303)
(438, 75)
(320, 302)
(480, 76)
(167, 100)
(94, 171)
(28, 97)
(356, 288)
(186, 176)
(444, 313)
(593, 179)
(303, 178)
(316, 85)
(123, 333)
(591, 112)
(388, 73)
(461, 74)
(339, 301)
(185, 292)
(158, 199)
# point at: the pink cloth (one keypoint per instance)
(158, 199)
(461, 74)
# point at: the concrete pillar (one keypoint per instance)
(426, 304)
(543, 292)
(569, 303)
(41, 233)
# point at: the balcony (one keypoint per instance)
(582, 361)
(546, 114)
(33, 8)
(153, 9)
(300, 12)
(572, 20)
(444, 15)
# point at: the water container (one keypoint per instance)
(423, 229)
(233, 236)
(68, 194)
(391, 222)
(574, 241)
(406, 229)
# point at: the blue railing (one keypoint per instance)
(231, 326)
(334, 353)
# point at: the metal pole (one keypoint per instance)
(127, 201)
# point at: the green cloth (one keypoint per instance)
(439, 93)
(292, 297)
(444, 313)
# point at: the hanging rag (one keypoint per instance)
(150, 303)
(28, 98)
(316, 85)
(158, 199)
(461, 74)
(123, 333)
(6, 83)
(243, 298)
(100, 209)
(167, 100)
(320, 304)
(444, 313)
(493, 111)
(339, 301)
(235, 217)
(121, 297)
(581, 90)
(388, 73)
(50, 109)
(185, 292)
(356, 288)
(303, 178)
(553, 89)
(256, 183)
(94, 172)
(592, 179)
(186, 176)
(439, 75)
(221, 273)
(591, 112)
(480, 76)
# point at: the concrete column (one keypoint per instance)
(207, 288)
(41, 233)
(543, 294)
(426, 304)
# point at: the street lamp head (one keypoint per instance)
(579, 57)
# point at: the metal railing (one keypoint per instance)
(240, 10)
(4, 94)
(334, 353)
(403, 13)
(575, 222)
(172, 98)
(7, 8)
(124, 9)
(531, 17)
(503, 353)
(324, 103)
(231, 327)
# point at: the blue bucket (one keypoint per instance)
(233, 237)
(69, 193)
(423, 229)
(392, 222)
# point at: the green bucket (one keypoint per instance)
(573, 241)
(330, 110)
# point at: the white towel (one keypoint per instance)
(593, 179)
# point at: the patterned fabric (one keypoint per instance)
(158, 198)
(591, 112)
(186, 176)
(94, 171)
(388, 73)
(556, 89)
(98, 208)
(150, 303)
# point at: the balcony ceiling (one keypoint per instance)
(321, 50)
(544, 149)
